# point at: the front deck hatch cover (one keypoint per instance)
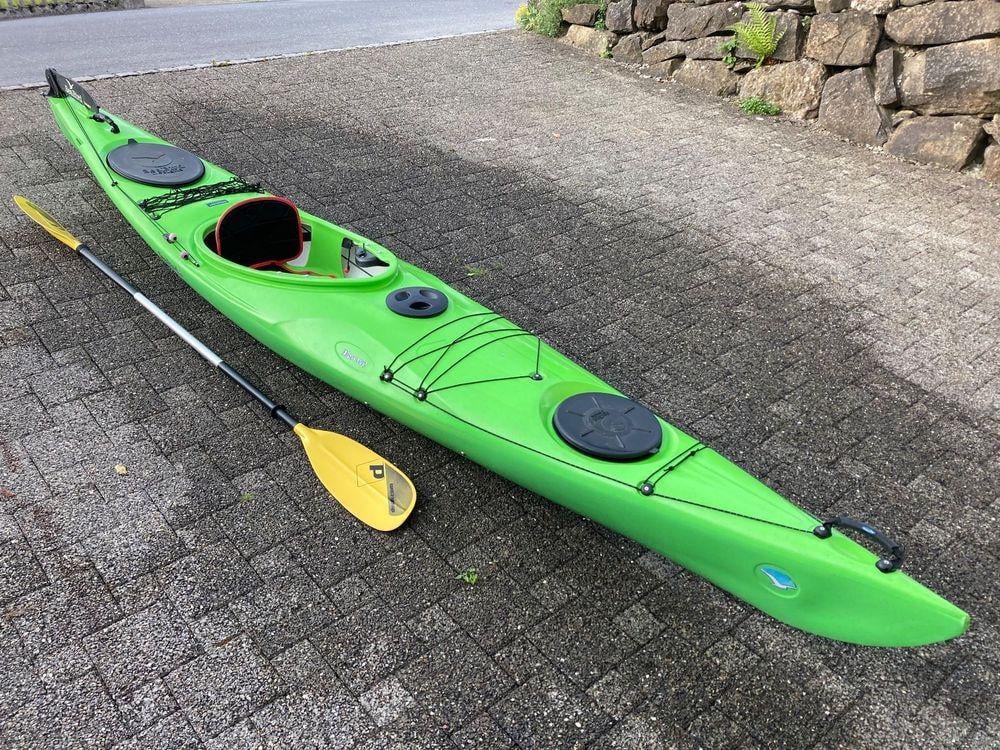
(156, 164)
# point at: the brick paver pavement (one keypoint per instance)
(824, 315)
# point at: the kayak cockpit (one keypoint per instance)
(267, 234)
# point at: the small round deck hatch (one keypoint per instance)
(417, 302)
(156, 164)
(607, 426)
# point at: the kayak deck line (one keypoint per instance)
(158, 205)
(491, 316)
(507, 400)
(649, 484)
(427, 387)
(391, 371)
(612, 478)
(422, 391)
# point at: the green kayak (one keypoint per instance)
(346, 310)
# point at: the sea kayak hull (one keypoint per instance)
(476, 383)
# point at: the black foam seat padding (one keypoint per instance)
(156, 164)
(608, 426)
(260, 232)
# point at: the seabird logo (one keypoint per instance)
(778, 578)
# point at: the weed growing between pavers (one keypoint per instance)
(469, 576)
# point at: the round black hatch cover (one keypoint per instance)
(608, 426)
(417, 302)
(156, 164)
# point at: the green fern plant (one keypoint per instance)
(760, 34)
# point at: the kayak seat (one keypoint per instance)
(260, 233)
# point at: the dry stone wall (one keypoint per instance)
(24, 8)
(919, 77)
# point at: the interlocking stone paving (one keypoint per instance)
(825, 315)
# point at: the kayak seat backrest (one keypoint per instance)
(259, 232)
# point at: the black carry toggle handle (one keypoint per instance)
(887, 563)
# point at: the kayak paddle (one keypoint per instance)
(369, 487)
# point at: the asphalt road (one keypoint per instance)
(137, 40)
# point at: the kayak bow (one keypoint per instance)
(347, 311)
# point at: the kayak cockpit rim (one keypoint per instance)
(199, 249)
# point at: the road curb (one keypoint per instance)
(245, 61)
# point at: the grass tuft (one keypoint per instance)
(754, 105)
(469, 576)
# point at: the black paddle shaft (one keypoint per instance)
(276, 411)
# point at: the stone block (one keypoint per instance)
(664, 51)
(876, 7)
(848, 108)
(845, 39)
(666, 69)
(796, 87)
(687, 21)
(960, 78)
(628, 50)
(993, 128)
(945, 141)
(886, 71)
(590, 40)
(651, 14)
(991, 163)
(708, 75)
(581, 14)
(943, 22)
(709, 48)
(618, 17)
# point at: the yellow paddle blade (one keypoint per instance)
(372, 489)
(47, 223)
